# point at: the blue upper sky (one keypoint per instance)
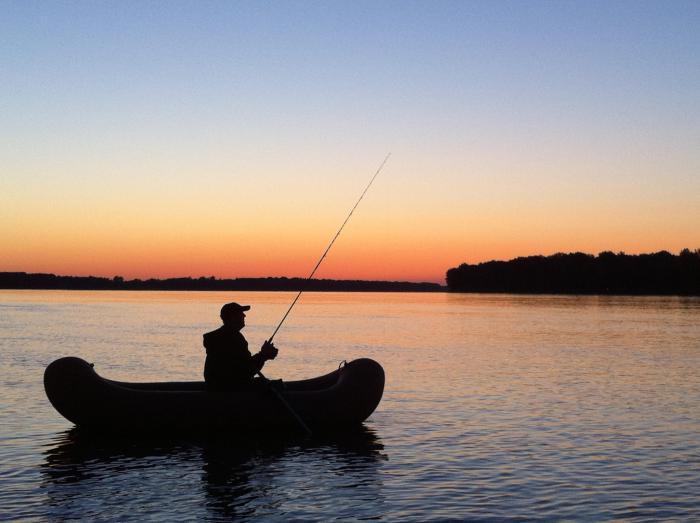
(346, 66)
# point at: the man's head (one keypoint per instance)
(233, 315)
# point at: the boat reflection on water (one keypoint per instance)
(217, 475)
(273, 478)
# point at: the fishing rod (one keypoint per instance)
(279, 395)
(379, 169)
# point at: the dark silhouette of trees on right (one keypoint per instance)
(580, 273)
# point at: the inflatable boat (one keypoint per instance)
(344, 397)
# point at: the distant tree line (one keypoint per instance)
(23, 280)
(579, 273)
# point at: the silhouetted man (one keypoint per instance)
(229, 364)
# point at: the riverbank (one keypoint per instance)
(41, 281)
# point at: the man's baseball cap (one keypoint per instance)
(233, 307)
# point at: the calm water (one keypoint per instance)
(495, 407)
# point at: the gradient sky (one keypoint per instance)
(157, 139)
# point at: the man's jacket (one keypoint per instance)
(229, 364)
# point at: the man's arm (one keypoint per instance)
(267, 352)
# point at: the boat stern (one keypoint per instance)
(72, 386)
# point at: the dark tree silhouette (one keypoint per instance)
(23, 280)
(578, 273)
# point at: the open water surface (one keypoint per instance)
(496, 407)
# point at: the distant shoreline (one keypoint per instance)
(608, 274)
(42, 281)
(574, 274)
